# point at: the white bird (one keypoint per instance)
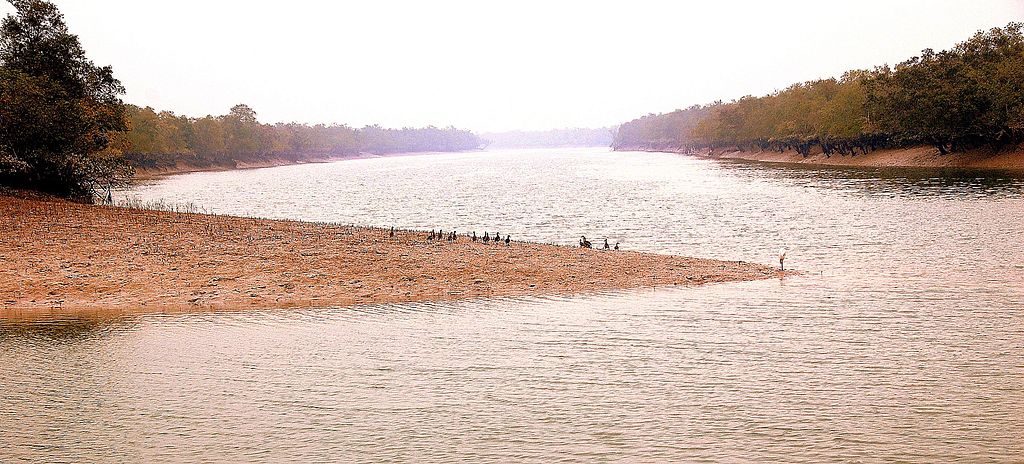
(782, 259)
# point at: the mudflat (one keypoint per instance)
(60, 255)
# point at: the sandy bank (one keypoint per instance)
(183, 167)
(55, 254)
(917, 157)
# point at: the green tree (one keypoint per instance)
(163, 139)
(243, 132)
(954, 100)
(57, 109)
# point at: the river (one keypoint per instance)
(902, 341)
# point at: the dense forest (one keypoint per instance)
(65, 131)
(158, 139)
(576, 137)
(57, 108)
(968, 97)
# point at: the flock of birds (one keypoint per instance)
(584, 243)
(453, 236)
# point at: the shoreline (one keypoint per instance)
(915, 157)
(63, 256)
(186, 168)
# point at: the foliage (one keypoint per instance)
(64, 129)
(164, 139)
(57, 109)
(970, 96)
(675, 130)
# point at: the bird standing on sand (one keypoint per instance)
(584, 243)
(508, 239)
(782, 259)
(474, 235)
(606, 247)
(392, 232)
(487, 237)
(616, 245)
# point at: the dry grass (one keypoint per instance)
(56, 254)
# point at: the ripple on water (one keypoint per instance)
(901, 343)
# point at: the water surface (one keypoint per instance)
(903, 342)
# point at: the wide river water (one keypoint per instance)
(903, 341)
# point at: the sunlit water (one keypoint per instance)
(904, 340)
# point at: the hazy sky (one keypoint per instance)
(488, 65)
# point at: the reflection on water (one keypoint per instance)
(903, 343)
(49, 329)
(892, 182)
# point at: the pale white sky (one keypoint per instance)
(488, 65)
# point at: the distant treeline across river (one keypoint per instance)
(162, 139)
(968, 97)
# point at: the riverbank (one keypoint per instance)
(61, 255)
(181, 167)
(184, 167)
(916, 157)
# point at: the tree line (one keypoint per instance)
(159, 139)
(64, 129)
(967, 97)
